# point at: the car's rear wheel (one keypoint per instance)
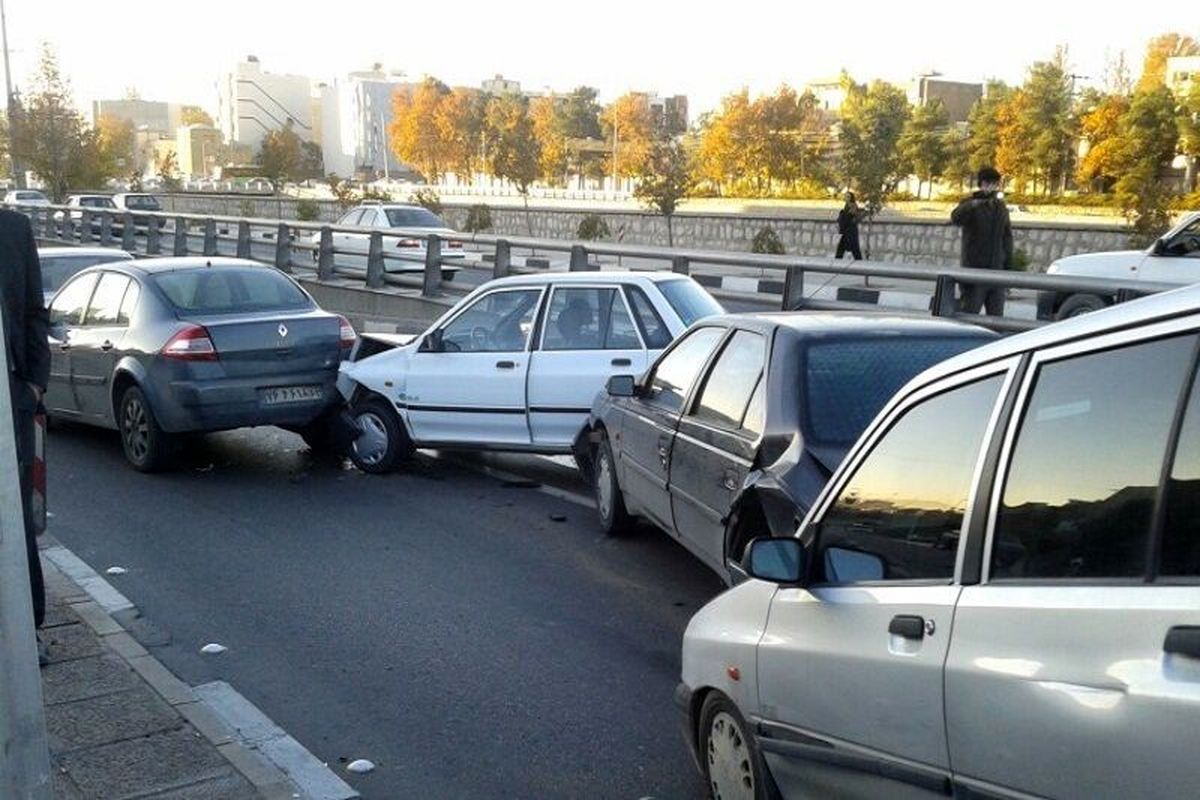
(1078, 304)
(733, 767)
(147, 447)
(615, 520)
(382, 441)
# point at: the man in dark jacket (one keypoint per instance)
(987, 241)
(847, 223)
(25, 329)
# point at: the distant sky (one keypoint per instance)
(172, 50)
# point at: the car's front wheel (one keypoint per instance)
(733, 767)
(146, 445)
(382, 441)
(610, 500)
(1078, 304)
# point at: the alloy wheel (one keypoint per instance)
(372, 442)
(604, 485)
(135, 428)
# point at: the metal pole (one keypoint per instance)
(24, 756)
(387, 176)
(18, 174)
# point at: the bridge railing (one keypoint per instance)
(418, 260)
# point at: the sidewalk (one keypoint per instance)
(121, 726)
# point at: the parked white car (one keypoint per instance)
(82, 201)
(1174, 258)
(25, 197)
(515, 365)
(59, 264)
(352, 248)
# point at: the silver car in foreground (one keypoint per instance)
(997, 595)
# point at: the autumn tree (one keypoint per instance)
(1189, 132)
(1158, 50)
(166, 167)
(723, 155)
(1014, 158)
(549, 131)
(117, 144)
(460, 119)
(513, 151)
(922, 146)
(872, 121)
(281, 156)
(1150, 133)
(666, 181)
(415, 134)
(194, 115)
(1100, 127)
(628, 124)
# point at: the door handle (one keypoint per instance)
(506, 365)
(621, 362)
(909, 626)
(1183, 640)
(663, 450)
(106, 346)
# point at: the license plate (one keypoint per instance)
(291, 394)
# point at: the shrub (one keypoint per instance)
(371, 193)
(307, 210)
(767, 241)
(592, 227)
(246, 208)
(1021, 260)
(427, 198)
(479, 219)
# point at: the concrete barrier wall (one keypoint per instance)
(908, 241)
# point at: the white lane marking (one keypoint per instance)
(255, 730)
(100, 590)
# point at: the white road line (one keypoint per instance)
(256, 731)
(100, 590)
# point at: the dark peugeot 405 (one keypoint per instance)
(168, 346)
(733, 432)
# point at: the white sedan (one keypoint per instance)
(515, 365)
(352, 247)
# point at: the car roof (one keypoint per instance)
(607, 276)
(826, 323)
(157, 266)
(391, 205)
(117, 255)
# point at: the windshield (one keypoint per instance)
(142, 202)
(96, 202)
(413, 218)
(231, 290)
(689, 300)
(847, 382)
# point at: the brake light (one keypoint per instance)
(454, 245)
(408, 243)
(190, 344)
(347, 336)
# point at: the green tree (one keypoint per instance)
(922, 145)
(666, 181)
(872, 121)
(1189, 132)
(281, 156)
(580, 114)
(1051, 121)
(983, 126)
(514, 154)
(1150, 133)
(1158, 50)
(957, 148)
(48, 134)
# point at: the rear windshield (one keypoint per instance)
(413, 218)
(689, 300)
(230, 290)
(142, 202)
(96, 202)
(30, 196)
(847, 382)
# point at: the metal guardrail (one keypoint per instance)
(158, 233)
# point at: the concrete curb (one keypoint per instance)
(299, 775)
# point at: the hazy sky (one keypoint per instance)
(175, 51)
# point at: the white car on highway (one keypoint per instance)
(1173, 258)
(352, 247)
(515, 365)
(25, 197)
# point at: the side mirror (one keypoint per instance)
(433, 343)
(1159, 248)
(775, 560)
(621, 386)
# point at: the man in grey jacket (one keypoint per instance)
(987, 241)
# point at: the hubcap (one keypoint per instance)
(729, 770)
(604, 489)
(372, 442)
(135, 429)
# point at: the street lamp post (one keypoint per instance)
(18, 174)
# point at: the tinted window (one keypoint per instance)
(96, 202)
(1181, 524)
(106, 301)
(68, 305)
(678, 369)
(732, 380)
(129, 304)
(588, 319)
(689, 300)
(654, 330)
(413, 218)
(847, 382)
(233, 290)
(1085, 469)
(56, 269)
(900, 515)
(496, 322)
(756, 412)
(142, 202)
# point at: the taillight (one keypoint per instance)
(347, 336)
(408, 243)
(190, 344)
(454, 245)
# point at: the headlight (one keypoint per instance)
(1052, 269)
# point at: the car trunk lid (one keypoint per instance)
(273, 343)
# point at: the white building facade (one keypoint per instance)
(253, 102)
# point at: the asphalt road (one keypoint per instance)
(473, 637)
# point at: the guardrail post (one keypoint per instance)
(243, 239)
(680, 265)
(128, 233)
(579, 259)
(153, 242)
(210, 237)
(433, 265)
(66, 228)
(793, 289)
(105, 229)
(181, 234)
(325, 254)
(283, 248)
(375, 261)
(502, 266)
(943, 303)
(85, 225)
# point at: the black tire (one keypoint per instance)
(1078, 304)
(448, 274)
(385, 442)
(147, 447)
(728, 751)
(615, 519)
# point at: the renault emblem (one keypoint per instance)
(282, 331)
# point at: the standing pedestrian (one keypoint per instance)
(847, 223)
(25, 331)
(987, 242)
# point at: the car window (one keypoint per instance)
(732, 380)
(1186, 243)
(129, 303)
(588, 319)
(1181, 522)
(230, 290)
(106, 300)
(689, 299)
(368, 218)
(756, 412)
(498, 322)
(57, 269)
(900, 515)
(413, 218)
(654, 331)
(1079, 496)
(142, 202)
(68, 305)
(96, 202)
(351, 217)
(677, 370)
